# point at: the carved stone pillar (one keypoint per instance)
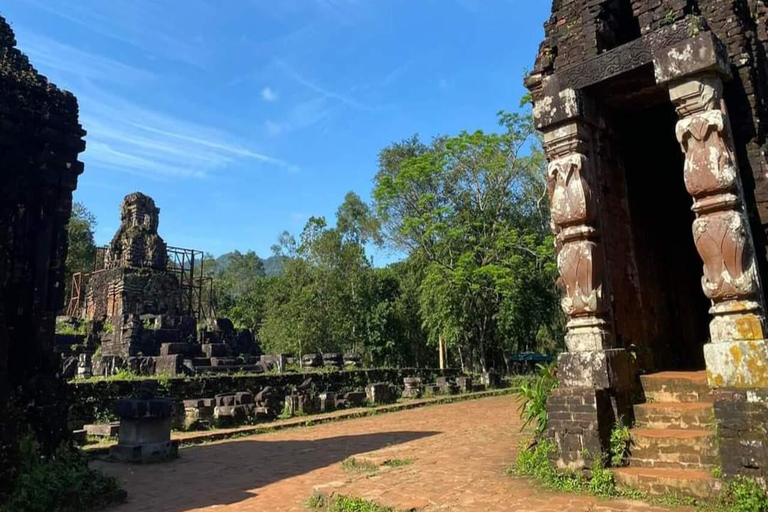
(738, 353)
(581, 259)
(591, 360)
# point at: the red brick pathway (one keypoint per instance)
(459, 451)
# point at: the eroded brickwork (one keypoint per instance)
(741, 416)
(40, 139)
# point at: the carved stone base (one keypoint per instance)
(601, 369)
(588, 334)
(736, 321)
(737, 364)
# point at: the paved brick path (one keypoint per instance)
(459, 451)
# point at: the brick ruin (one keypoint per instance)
(142, 308)
(647, 107)
(40, 139)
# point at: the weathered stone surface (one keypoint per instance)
(737, 364)
(602, 369)
(700, 54)
(40, 140)
(742, 428)
(145, 429)
(379, 393)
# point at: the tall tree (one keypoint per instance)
(470, 208)
(82, 247)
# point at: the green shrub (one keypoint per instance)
(620, 443)
(601, 482)
(743, 495)
(61, 483)
(533, 409)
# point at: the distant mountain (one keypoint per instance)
(273, 266)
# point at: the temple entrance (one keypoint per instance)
(661, 307)
(668, 265)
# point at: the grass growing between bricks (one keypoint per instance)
(344, 504)
(397, 463)
(738, 495)
(354, 465)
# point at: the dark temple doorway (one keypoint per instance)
(661, 307)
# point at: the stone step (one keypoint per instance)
(674, 448)
(676, 387)
(675, 415)
(659, 481)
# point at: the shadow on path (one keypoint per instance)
(230, 472)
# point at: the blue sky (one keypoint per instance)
(242, 118)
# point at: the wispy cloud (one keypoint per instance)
(150, 26)
(311, 85)
(267, 94)
(69, 62)
(134, 139)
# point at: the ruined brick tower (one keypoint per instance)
(40, 139)
(647, 107)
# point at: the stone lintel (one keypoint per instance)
(601, 369)
(701, 54)
(556, 105)
(737, 364)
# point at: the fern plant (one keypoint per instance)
(533, 409)
(621, 440)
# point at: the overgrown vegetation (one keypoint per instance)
(533, 409)
(59, 483)
(354, 465)
(344, 504)
(620, 443)
(738, 495)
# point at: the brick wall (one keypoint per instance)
(742, 432)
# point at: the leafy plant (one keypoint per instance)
(60, 483)
(601, 482)
(743, 495)
(535, 395)
(620, 441)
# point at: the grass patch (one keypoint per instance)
(344, 504)
(353, 465)
(738, 495)
(397, 463)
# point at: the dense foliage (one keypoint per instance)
(466, 216)
(82, 248)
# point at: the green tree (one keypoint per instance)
(470, 210)
(82, 248)
(240, 289)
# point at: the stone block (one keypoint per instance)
(490, 379)
(225, 399)
(169, 365)
(170, 349)
(223, 361)
(327, 401)
(145, 430)
(737, 364)
(103, 429)
(697, 55)
(604, 369)
(214, 350)
(464, 384)
(379, 393)
(354, 398)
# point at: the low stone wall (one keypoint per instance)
(742, 432)
(94, 401)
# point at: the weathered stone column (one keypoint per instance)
(592, 374)
(737, 355)
(581, 259)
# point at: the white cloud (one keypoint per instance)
(267, 94)
(127, 137)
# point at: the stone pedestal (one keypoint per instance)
(412, 387)
(379, 394)
(464, 384)
(145, 430)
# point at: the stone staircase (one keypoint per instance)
(673, 442)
